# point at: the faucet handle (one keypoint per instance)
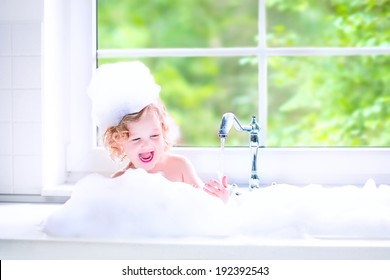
(254, 124)
(254, 133)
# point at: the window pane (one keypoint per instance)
(176, 23)
(328, 23)
(329, 101)
(198, 91)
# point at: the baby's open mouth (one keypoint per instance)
(146, 157)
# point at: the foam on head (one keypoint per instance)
(119, 89)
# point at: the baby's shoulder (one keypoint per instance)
(178, 160)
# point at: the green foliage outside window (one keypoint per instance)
(312, 100)
(329, 101)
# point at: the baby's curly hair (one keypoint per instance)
(116, 135)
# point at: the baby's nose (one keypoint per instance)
(146, 143)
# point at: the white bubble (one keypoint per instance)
(148, 205)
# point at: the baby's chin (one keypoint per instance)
(149, 167)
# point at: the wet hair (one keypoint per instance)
(116, 135)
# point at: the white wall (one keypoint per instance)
(20, 96)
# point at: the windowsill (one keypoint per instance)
(63, 190)
(295, 166)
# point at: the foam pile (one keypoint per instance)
(148, 205)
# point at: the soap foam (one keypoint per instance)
(137, 204)
(148, 205)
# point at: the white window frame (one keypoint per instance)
(69, 152)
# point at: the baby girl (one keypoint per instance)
(137, 127)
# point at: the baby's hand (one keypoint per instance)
(218, 189)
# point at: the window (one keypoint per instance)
(315, 72)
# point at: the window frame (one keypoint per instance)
(78, 155)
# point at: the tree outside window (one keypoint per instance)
(312, 100)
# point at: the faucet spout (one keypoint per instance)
(228, 121)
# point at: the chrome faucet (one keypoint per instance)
(229, 120)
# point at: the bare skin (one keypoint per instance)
(146, 149)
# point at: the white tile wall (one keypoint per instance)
(20, 96)
(26, 72)
(6, 72)
(26, 38)
(27, 174)
(6, 138)
(6, 174)
(5, 105)
(5, 39)
(27, 139)
(19, 10)
(26, 106)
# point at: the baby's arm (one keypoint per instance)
(214, 187)
(118, 173)
(190, 175)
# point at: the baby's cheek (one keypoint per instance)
(130, 153)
